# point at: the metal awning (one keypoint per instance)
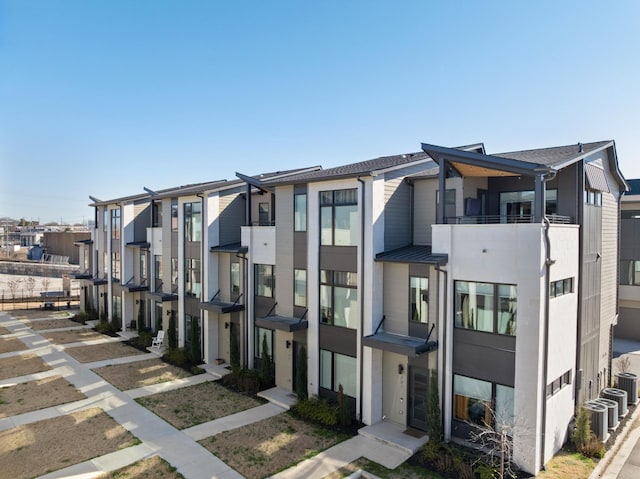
(99, 281)
(229, 248)
(162, 296)
(136, 287)
(282, 323)
(83, 275)
(83, 242)
(596, 178)
(222, 306)
(412, 254)
(397, 343)
(139, 244)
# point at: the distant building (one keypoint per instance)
(63, 244)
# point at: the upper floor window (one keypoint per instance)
(143, 266)
(265, 280)
(235, 278)
(174, 214)
(300, 212)
(450, 203)
(105, 218)
(300, 287)
(157, 272)
(192, 221)
(419, 299)
(174, 274)
(192, 278)
(338, 298)
(115, 224)
(156, 214)
(486, 307)
(518, 206)
(264, 216)
(593, 197)
(630, 272)
(560, 287)
(339, 217)
(115, 265)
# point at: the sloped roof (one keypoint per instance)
(555, 156)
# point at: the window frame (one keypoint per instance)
(299, 212)
(192, 221)
(234, 273)
(350, 390)
(496, 308)
(116, 224)
(268, 271)
(331, 281)
(192, 280)
(489, 404)
(115, 265)
(413, 310)
(300, 288)
(331, 206)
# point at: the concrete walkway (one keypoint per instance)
(383, 443)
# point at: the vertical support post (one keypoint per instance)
(248, 206)
(442, 200)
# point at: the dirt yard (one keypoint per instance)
(41, 324)
(8, 345)
(35, 449)
(64, 337)
(152, 468)
(271, 445)
(4, 330)
(193, 405)
(140, 373)
(33, 395)
(21, 365)
(99, 352)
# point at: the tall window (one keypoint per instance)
(189, 321)
(419, 298)
(474, 400)
(338, 298)
(486, 307)
(300, 212)
(143, 267)
(339, 217)
(174, 214)
(192, 221)
(450, 203)
(105, 218)
(300, 287)
(174, 274)
(115, 224)
(156, 214)
(261, 334)
(265, 280)
(235, 278)
(115, 265)
(338, 369)
(630, 272)
(116, 306)
(264, 218)
(157, 272)
(192, 278)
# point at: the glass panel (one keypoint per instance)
(419, 297)
(265, 282)
(472, 400)
(235, 278)
(325, 369)
(345, 374)
(474, 306)
(326, 198)
(346, 225)
(504, 414)
(262, 333)
(568, 286)
(263, 214)
(345, 278)
(300, 287)
(507, 309)
(143, 267)
(300, 213)
(345, 307)
(345, 197)
(174, 272)
(174, 215)
(326, 315)
(326, 225)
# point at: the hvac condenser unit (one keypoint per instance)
(599, 423)
(628, 382)
(617, 395)
(612, 411)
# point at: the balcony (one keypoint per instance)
(505, 219)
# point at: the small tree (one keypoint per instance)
(141, 323)
(434, 418)
(266, 364)
(45, 284)
(301, 374)
(13, 284)
(234, 353)
(172, 338)
(623, 363)
(195, 354)
(581, 435)
(31, 286)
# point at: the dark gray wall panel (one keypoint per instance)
(300, 250)
(490, 357)
(339, 258)
(339, 340)
(628, 326)
(630, 239)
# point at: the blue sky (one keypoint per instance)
(104, 97)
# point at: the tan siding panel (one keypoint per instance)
(396, 298)
(284, 250)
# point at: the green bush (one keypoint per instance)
(344, 411)
(172, 337)
(142, 340)
(594, 448)
(581, 435)
(267, 376)
(178, 357)
(195, 370)
(104, 327)
(243, 380)
(434, 418)
(234, 352)
(80, 317)
(318, 410)
(195, 354)
(486, 471)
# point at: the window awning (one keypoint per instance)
(397, 343)
(222, 306)
(412, 254)
(229, 248)
(139, 244)
(83, 275)
(162, 296)
(282, 323)
(136, 287)
(83, 242)
(99, 281)
(596, 179)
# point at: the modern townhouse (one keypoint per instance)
(628, 326)
(495, 274)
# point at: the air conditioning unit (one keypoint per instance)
(599, 422)
(617, 395)
(629, 383)
(612, 411)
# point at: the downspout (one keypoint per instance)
(245, 320)
(361, 276)
(545, 354)
(443, 344)
(411, 208)
(202, 260)
(579, 376)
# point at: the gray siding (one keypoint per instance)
(424, 210)
(397, 215)
(629, 239)
(284, 248)
(231, 217)
(142, 220)
(396, 299)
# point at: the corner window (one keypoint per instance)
(419, 299)
(300, 212)
(487, 307)
(264, 280)
(338, 369)
(192, 278)
(235, 278)
(192, 221)
(339, 217)
(338, 298)
(300, 287)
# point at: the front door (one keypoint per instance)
(418, 390)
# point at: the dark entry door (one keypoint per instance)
(418, 390)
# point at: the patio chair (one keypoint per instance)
(158, 341)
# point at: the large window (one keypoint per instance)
(157, 272)
(143, 267)
(174, 274)
(338, 369)
(260, 335)
(189, 324)
(264, 216)
(419, 299)
(235, 278)
(339, 217)
(115, 224)
(174, 214)
(517, 206)
(630, 272)
(560, 287)
(338, 298)
(192, 221)
(482, 402)
(486, 307)
(156, 214)
(265, 280)
(192, 278)
(116, 306)
(300, 212)
(300, 287)
(115, 265)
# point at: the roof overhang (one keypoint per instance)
(83, 242)
(230, 248)
(139, 244)
(132, 288)
(99, 281)
(84, 275)
(397, 343)
(164, 297)
(412, 254)
(222, 306)
(282, 323)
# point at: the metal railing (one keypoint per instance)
(504, 219)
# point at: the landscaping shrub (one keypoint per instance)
(244, 380)
(195, 355)
(234, 352)
(142, 341)
(178, 357)
(172, 337)
(455, 462)
(105, 327)
(344, 411)
(318, 410)
(80, 317)
(267, 376)
(195, 370)
(434, 419)
(581, 435)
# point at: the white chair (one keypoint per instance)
(158, 341)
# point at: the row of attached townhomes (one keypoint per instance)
(499, 272)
